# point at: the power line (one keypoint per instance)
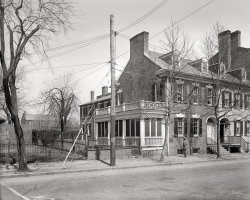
(66, 66)
(190, 14)
(182, 19)
(72, 44)
(158, 6)
(61, 77)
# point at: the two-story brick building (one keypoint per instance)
(144, 88)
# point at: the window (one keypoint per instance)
(195, 127)
(159, 125)
(102, 129)
(195, 95)
(118, 128)
(180, 126)
(155, 130)
(133, 128)
(237, 100)
(237, 132)
(226, 99)
(247, 102)
(179, 93)
(209, 96)
(247, 128)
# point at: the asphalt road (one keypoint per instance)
(229, 180)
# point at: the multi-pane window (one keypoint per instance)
(226, 99)
(248, 128)
(102, 129)
(209, 96)
(196, 126)
(153, 128)
(179, 92)
(180, 126)
(237, 129)
(118, 128)
(237, 100)
(195, 95)
(132, 127)
(247, 101)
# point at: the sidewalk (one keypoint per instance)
(43, 168)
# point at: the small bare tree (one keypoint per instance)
(29, 23)
(60, 102)
(179, 45)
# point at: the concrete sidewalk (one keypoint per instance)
(45, 168)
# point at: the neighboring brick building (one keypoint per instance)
(39, 121)
(143, 86)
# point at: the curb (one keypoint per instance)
(115, 168)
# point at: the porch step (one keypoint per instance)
(213, 149)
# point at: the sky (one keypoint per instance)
(91, 19)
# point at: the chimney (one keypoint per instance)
(92, 95)
(235, 42)
(225, 48)
(139, 45)
(104, 90)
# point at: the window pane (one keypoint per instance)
(132, 127)
(138, 128)
(147, 127)
(152, 128)
(159, 124)
(116, 128)
(120, 128)
(127, 128)
(106, 129)
(99, 130)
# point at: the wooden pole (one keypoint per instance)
(112, 68)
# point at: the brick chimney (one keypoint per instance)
(235, 42)
(225, 48)
(104, 90)
(92, 95)
(138, 45)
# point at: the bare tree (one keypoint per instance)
(29, 23)
(209, 42)
(180, 47)
(60, 102)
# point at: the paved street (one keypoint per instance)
(208, 180)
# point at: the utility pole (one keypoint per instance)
(112, 68)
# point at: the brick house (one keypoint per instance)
(39, 121)
(141, 100)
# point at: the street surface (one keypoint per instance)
(222, 180)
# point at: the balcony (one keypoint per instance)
(141, 105)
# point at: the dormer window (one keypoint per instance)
(222, 69)
(204, 67)
(243, 75)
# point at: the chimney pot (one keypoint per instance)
(92, 95)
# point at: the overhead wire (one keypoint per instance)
(182, 19)
(158, 6)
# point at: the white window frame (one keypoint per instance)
(209, 96)
(237, 127)
(179, 92)
(248, 128)
(180, 127)
(196, 127)
(226, 99)
(195, 95)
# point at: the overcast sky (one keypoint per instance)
(92, 19)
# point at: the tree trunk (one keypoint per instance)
(218, 139)
(62, 130)
(11, 103)
(166, 141)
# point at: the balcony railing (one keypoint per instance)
(141, 105)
